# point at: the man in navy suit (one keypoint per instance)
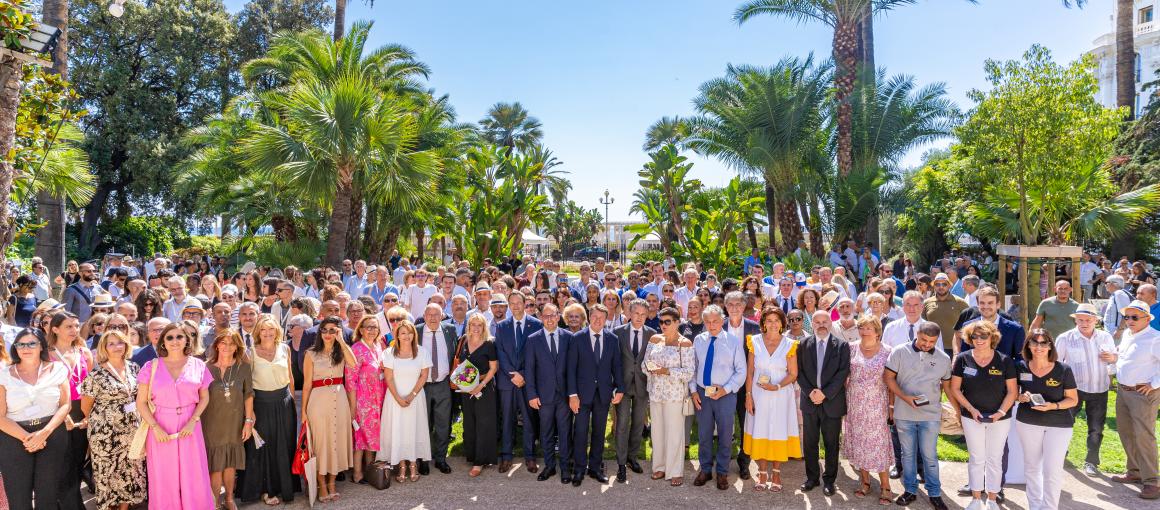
(1010, 332)
(741, 329)
(511, 337)
(545, 357)
(594, 377)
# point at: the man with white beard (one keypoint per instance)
(846, 327)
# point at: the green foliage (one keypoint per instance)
(143, 235)
(572, 226)
(663, 198)
(267, 251)
(644, 256)
(711, 230)
(803, 262)
(47, 155)
(15, 23)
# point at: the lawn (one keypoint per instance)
(950, 448)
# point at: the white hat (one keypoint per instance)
(1138, 306)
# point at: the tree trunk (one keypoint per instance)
(771, 213)
(225, 228)
(10, 75)
(846, 57)
(816, 242)
(790, 226)
(339, 19)
(369, 237)
(869, 79)
(421, 243)
(51, 209)
(339, 218)
(1126, 56)
(390, 240)
(284, 228)
(752, 232)
(356, 218)
(92, 216)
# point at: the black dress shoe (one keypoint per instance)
(965, 490)
(895, 472)
(598, 476)
(828, 489)
(1000, 497)
(621, 474)
(443, 467)
(635, 466)
(566, 477)
(576, 479)
(808, 485)
(906, 498)
(546, 474)
(743, 472)
(937, 503)
(701, 479)
(424, 468)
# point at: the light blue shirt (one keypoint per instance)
(729, 364)
(354, 285)
(373, 291)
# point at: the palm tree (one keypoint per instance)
(63, 173)
(1126, 56)
(511, 126)
(666, 131)
(552, 183)
(668, 174)
(765, 122)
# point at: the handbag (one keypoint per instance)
(141, 435)
(378, 475)
(301, 453)
(687, 408)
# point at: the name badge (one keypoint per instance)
(970, 371)
(130, 408)
(1025, 377)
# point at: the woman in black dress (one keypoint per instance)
(479, 416)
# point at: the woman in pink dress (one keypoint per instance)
(365, 381)
(178, 471)
(866, 439)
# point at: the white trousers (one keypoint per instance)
(985, 443)
(1044, 450)
(668, 436)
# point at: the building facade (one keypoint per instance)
(1147, 61)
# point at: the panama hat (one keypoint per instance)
(1087, 309)
(103, 301)
(1138, 306)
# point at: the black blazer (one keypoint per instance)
(634, 379)
(835, 371)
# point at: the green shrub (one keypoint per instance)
(142, 235)
(265, 251)
(642, 257)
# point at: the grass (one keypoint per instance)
(950, 448)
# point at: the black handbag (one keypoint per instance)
(378, 475)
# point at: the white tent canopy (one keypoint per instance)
(534, 238)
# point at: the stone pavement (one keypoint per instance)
(519, 489)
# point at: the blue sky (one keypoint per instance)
(598, 75)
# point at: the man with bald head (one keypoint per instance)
(148, 352)
(438, 339)
(823, 366)
(329, 308)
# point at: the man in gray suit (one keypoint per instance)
(439, 339)
(630, 413)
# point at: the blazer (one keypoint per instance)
(511, 350)
(835, 371)
(76, 300)
(543, 371)
(450, 341)
(634, 379)
(1011, 337)
(588, 377)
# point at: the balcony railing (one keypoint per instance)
(1145, 28)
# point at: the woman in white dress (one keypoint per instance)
(403, 434)
(771, 424)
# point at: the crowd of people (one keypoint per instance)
(227, 371)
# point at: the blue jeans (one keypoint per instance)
(715, 414)
(919, 437)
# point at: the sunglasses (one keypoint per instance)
(981, 336)
(174, 337)
(1040, 343)
(1133, 317)
(796, 319)
(117, 327)
(666, 322)
(330, 331)
(391, 300)
(284, 290)
(26, 345)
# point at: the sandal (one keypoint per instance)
(676, 481)
(762, 482)
(771, 485)
(657, 475)
(414, 472)
(863, 491)
(886, 498)
(274, 501)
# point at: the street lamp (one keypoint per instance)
(606, 201)
(42, 39)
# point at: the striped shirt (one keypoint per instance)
(1082, 354)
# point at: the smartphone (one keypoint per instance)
(921, 400)
(1037, 399)
(985, 419)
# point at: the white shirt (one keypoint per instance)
(1082, 354)
(30, 401)
(172, 309)
(43, 286)
(1088, 271)
(973, 299)
(1139, 360)
(553, 339)
(897, 332)
(354, 285)
(682, 296)
(1112, 316)
(444, 369)
(416, 297)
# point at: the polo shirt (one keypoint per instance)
(919, 373)
(1057, 316)
(944, 313)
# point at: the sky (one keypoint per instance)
(597, 77)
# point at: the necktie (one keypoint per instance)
(434, 357)
(596, 347)
(785, 305)
(635, 343)
(249, 341)
(519, 338)
(707, 378)
(912, 332)
(821, 359)
(552, 344)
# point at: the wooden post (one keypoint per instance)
(1076, 292)
(1024, 294)
(1002, 281)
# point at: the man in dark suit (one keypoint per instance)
(511, 337)
(823, 366)
(594, 378)
(1011, 333)
(545, 357)
(741, 329)
(439, 339)
(630, 414)
(328, 309)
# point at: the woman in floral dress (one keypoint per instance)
(866, 439)
(365, 381)
(104, 394)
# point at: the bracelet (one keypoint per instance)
(249, 420)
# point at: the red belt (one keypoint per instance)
(329, 381)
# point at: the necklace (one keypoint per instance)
(227, 382)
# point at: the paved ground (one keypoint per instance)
(519, 489)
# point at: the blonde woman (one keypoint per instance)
(228, 420)
(866, 441)
(479, 405)
(268, 473)
(211, 289)
(327, 408)
(404, 438)
(108, 398)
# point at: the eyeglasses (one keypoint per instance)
(371, 327)
(394, 320)
(666, 322)
(117, 327)
(285, 290)
(26, 345)
(174, 337)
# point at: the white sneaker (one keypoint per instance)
(976, 504)
(1090, 470)
(992, 505)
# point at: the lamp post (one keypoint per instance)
(606, 201)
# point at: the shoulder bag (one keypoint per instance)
(141, 435)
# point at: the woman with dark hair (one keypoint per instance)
(107, 397)
(252, 288)
(229, 417)
(175, 448)
(1044, 428)
(67, 346)
(22, 302)
(807, 302)
(669, 363)
(543, 281)
(561, 297)
(771, 428)
(404, 436)
(327, 408)
(148, 305)
(34, 403)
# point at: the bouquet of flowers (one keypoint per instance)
(466, 377)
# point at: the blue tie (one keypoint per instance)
(707, 381)
(519, 340)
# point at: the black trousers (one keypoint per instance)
(39, 473)
(78, 443)
(1096, 408)
(742, 457)
(826, 430)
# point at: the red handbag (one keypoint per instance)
(302, 454)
